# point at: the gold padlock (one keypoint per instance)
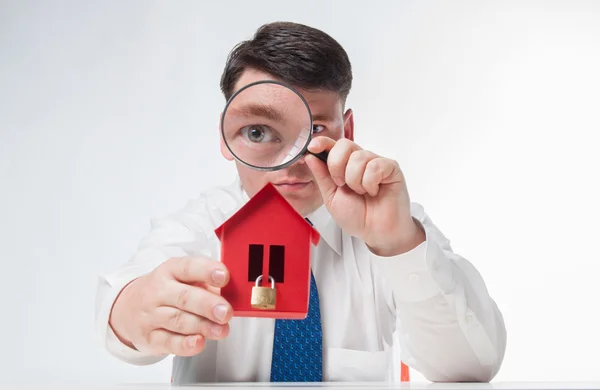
(263, 297)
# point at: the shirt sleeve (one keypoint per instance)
(448, 326)
(173, 236)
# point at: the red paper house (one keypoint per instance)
(267, 237)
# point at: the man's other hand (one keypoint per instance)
(175, 308)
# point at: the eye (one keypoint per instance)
(257, 133)
(318, 128)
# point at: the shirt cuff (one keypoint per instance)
(419, 274)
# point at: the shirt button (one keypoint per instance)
(413, 278)
(470, 318)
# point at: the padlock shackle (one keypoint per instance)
(270, 277)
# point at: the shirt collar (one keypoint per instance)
(322, 221)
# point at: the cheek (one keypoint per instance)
(335, 131)
(252, 180)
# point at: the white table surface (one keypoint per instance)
(407, 386)
(329, 385)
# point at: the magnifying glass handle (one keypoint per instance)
(321, 156)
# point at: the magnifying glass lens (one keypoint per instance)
(267, 125)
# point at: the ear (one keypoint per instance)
(224, 151)
(349, 125)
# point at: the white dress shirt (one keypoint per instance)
(428, 308)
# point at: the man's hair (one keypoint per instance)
(295, 53)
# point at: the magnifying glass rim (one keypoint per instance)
(277, 167)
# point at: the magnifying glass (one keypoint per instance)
(267, 125)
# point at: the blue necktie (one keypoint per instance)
(297, 345)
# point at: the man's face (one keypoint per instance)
(296, 182)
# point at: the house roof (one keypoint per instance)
(267, 192)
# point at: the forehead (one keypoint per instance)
(320, 102)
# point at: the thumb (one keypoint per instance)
(319, 169)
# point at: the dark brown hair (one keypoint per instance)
(299, 55)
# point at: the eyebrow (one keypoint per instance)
(261, 110)
(322, 118)
(268, 112)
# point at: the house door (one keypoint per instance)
(275, 262)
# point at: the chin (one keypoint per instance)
(303, 206)
(304, 198)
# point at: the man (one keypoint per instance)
(386, 286)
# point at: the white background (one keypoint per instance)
(109, 116)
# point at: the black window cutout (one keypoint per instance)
(276, 260)
(255, 261)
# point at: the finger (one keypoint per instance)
(197, 300)
(379, 171)
(165, 342)
(338, 159)
(185, 323)
(320, 171)
(320, 144)
(198, 270)
(355, 169)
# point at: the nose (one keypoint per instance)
(298, 168)
(301, 160)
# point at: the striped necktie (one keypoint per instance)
(297, 345)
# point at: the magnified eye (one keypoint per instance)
(258, 133)
(318, 128)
